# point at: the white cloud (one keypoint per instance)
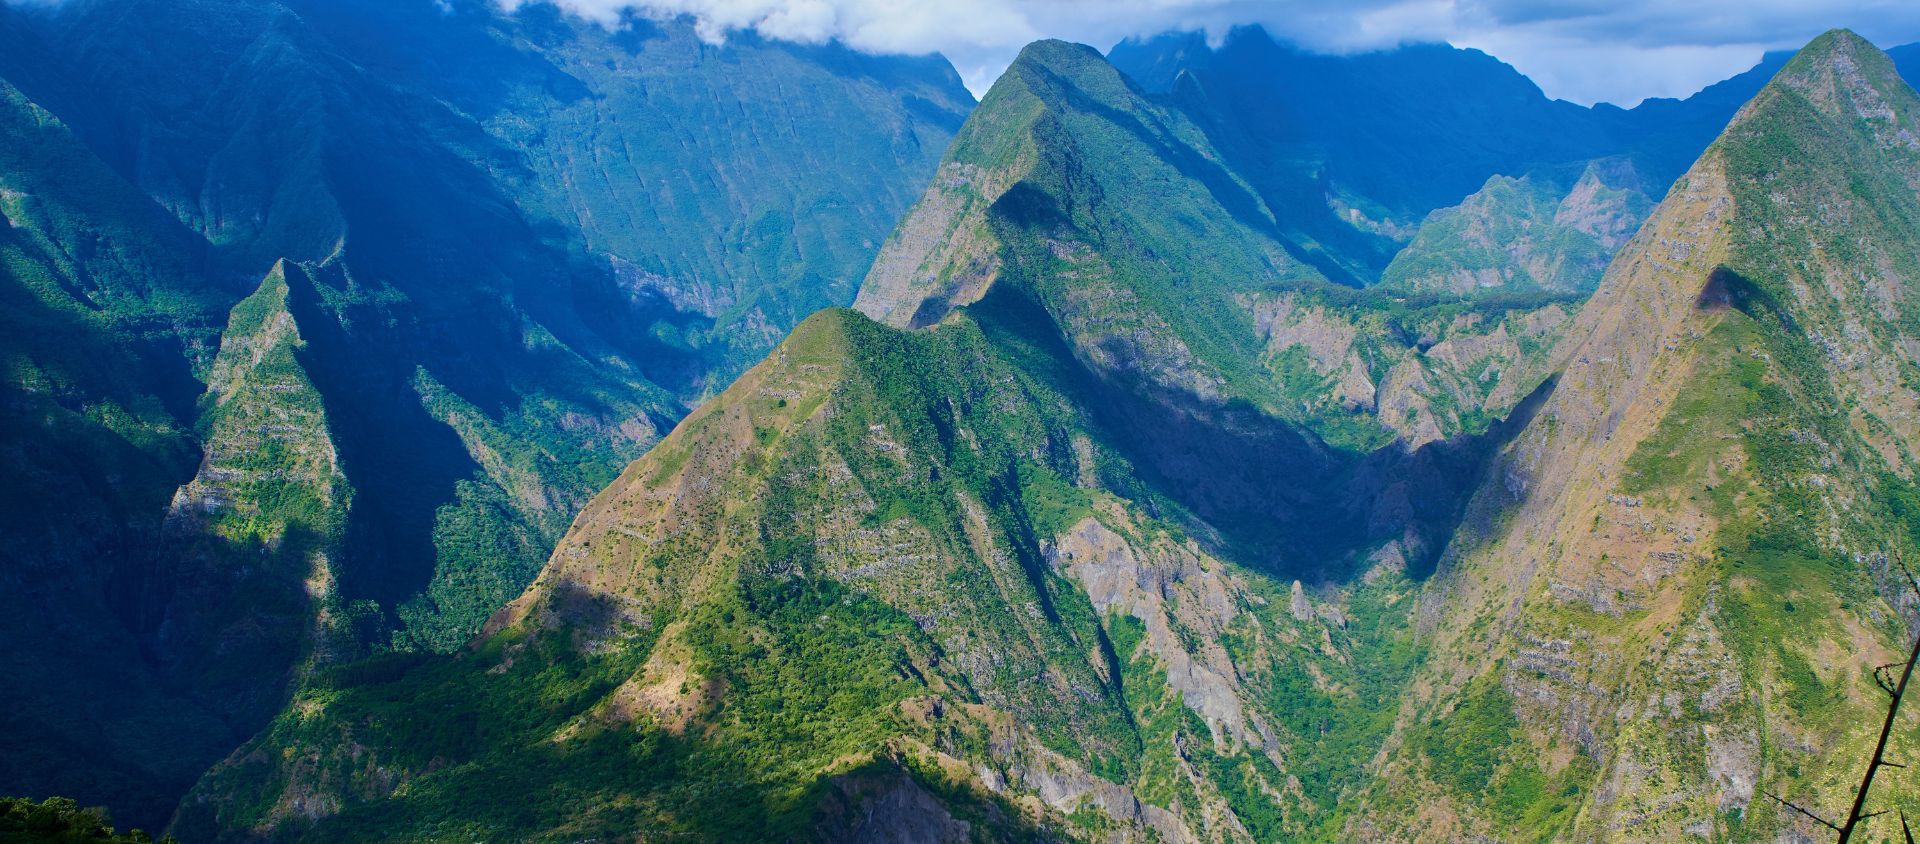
(1583, 50)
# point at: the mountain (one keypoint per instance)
(502, 253)
(1030, 546)
(1549, 230)
(260, 523)
(1667, 604)
(1495, 157)
(862, 581)
(109, 315)
(1906, 60)
(547, 252)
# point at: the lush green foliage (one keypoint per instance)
(59, 820)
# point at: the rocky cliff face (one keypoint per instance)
(1681, 568)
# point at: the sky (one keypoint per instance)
(1587, 51)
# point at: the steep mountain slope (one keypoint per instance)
(729, 191)
(533, 270)
(1676, 585)
(247, 550)
(871, 572)
(493, 279)
(1467, 124)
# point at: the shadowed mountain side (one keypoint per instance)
(1261, 491)
(1455, 116)
(567, 233)
(935, 518)
(1062, 539)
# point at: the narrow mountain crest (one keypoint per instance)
(253, 538)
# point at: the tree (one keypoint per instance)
(1896, 690)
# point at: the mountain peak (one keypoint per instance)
(1063, 74)
(1839, 73)
(1058, 54)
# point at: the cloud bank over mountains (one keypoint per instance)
(1583, 50)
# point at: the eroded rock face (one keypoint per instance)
(1419, 381)
(1170, 586)
(943, 254)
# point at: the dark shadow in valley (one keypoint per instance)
(1258, 490)
(403, 463)
(1430, 489)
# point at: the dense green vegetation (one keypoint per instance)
(1481, 754)
(105, 322)
(58, 820)
(859, 551)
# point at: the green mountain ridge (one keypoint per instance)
(258, 527)
(1124, 505)
(1199, 298)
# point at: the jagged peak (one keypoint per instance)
(261, 321)
(942, 254)
(276, 288)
